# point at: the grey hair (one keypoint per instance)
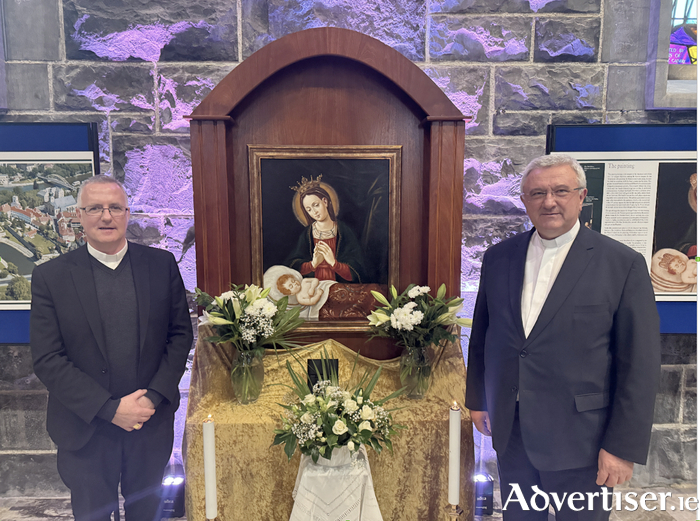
(100, 179)
(555, 160)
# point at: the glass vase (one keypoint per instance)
(415, 367)
(247, 375)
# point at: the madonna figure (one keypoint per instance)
(327, 249)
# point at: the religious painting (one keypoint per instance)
(325, 227)
(673, 264)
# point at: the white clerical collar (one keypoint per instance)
(111, 261)
(563, 239)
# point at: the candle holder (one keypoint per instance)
(454, 512)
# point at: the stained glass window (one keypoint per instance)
(684, 33)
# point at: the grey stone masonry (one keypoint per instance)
(515, 6)
(181, 89)
(28, 86)
(32, 29)
(157, 30)
(520, 124)
(625, 26)
(30, 474)
(620, 96)
(668, 398)
(495, 39)
(398, 23)
(469, 89)
(104, 88)
(672, 457)
(571, 40)
(572, 87)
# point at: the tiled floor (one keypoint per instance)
(41, 509)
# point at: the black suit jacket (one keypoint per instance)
(68, 342)
(587, 374)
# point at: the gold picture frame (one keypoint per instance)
(363, 186)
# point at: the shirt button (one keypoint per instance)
(523, 353)
(104, 371)
(514, 388)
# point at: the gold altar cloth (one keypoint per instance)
(255, 481)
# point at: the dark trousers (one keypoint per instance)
(137, 459)
(515, 467)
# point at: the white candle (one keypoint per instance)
(455, 437)
(209, 468)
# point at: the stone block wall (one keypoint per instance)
(138, 67)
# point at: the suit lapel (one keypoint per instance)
(140, 271)
(574, 265)
(84, 283)
(516, 275)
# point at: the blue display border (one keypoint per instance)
(676, 316)
(41, 137)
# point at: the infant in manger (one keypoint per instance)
(673, 272)
(307, 291)
(310, 293)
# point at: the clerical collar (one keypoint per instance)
(563, 239)
(111, 261)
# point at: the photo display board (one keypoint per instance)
(642, 191)
(41, 168)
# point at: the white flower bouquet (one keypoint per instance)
(329, 416)
(415, 320)
(245, 317)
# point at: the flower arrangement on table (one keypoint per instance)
(415, 320)
(251, 322)
(328, 417)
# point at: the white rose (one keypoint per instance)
(319, 434)
(367, 413)
(309, 399)
(307, 417)
(365, 426)
(351, 446)
(339, 427)
(350, 405)
(346, 396)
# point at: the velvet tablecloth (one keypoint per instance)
(255, 481)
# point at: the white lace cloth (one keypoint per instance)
(335, 490)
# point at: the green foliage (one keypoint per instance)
(416, 319)
(19, 289)
(330, 416)
(247, 318)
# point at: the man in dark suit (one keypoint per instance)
(564, 355)
(110, 335)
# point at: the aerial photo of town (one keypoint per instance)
(38, 219)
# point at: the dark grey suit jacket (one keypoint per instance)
(68, 342)
(587, 374)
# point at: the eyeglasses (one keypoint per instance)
(114, 209)
(560, 194)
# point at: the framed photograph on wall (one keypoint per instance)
(325, 228)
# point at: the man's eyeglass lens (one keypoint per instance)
(539, 195)
(116, 211)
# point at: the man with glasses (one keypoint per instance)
(564, 355)
(110, 335)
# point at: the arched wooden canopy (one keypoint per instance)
(329, 87)
(327, 41)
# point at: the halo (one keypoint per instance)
(298, 210)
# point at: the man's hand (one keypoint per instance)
(145, 401)
(482, 422)
(131, 412)
(612, 470)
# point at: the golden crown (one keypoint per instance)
(306, 184)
